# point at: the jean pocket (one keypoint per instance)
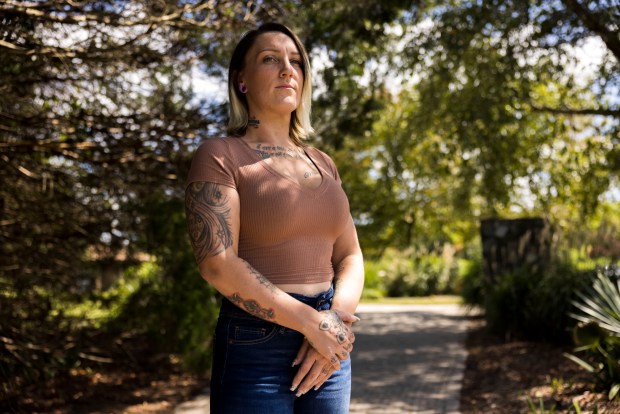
(251, 334)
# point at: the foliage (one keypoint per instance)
(598, 334)
(489, 113)
(98, 113)
(534, 305)
(407, 273)
(471, 282)
(540, 409)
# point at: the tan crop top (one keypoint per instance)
(287, 231)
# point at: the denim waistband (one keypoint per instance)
(322, 301)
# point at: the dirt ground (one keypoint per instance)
(500, 377)
(109, 389)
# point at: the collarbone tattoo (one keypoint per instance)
(270, 151)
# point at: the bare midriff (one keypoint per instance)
(307, 289)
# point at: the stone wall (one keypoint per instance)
(510, 245)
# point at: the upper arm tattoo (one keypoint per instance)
(208, 219)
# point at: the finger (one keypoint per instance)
(346, 316)
(311, 379)
(335, 362)
(306, 365)
(326, 373)
(301, 354)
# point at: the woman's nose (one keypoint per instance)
(287, 68)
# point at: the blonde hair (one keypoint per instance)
(300, 126)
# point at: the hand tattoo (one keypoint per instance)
(331, 322)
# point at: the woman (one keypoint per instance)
(271, 231)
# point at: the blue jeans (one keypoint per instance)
(252, 371)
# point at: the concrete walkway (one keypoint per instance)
(407, 359)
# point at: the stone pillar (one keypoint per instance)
(509, 245)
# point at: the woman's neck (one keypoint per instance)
(269, 131)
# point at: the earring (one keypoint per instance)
(243, 88)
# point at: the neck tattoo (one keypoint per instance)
(253, 122)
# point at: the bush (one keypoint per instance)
(534, 305)
(402, 273)
(175, 307)
(374, 280)
(598, 334)
(470, 284)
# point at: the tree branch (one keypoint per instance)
(77, 16)
(582, 111)
(590, 20)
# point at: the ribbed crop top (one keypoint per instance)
(287, 231)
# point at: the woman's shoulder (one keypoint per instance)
(219, 146)
(323, 156)
(219, 142)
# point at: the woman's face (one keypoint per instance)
(273, 74)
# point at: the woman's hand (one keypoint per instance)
(331, 337)
(313, 371)
(315, 368)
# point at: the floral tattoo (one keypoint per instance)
(252, 307)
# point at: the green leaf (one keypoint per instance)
(580, 362)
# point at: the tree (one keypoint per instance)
(97, 117)
(509, 124)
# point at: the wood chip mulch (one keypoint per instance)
(502, 376)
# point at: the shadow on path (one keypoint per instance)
(409, 359)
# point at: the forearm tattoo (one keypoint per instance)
(331, 322)
(208, 219)
(252, 307)
(261, 279)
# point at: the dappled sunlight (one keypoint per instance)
(409, 361)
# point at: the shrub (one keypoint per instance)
(470, 284)
(534, 305)
(374, 280)
(598, 334)
(402, 273)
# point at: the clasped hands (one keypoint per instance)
(319, 357)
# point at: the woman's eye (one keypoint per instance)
(296, 62)
(269, 59)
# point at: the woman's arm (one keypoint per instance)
(348, 270)
(212, 213)
(348, 284)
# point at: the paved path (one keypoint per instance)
(407, 359)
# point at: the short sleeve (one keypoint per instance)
(213, 162)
